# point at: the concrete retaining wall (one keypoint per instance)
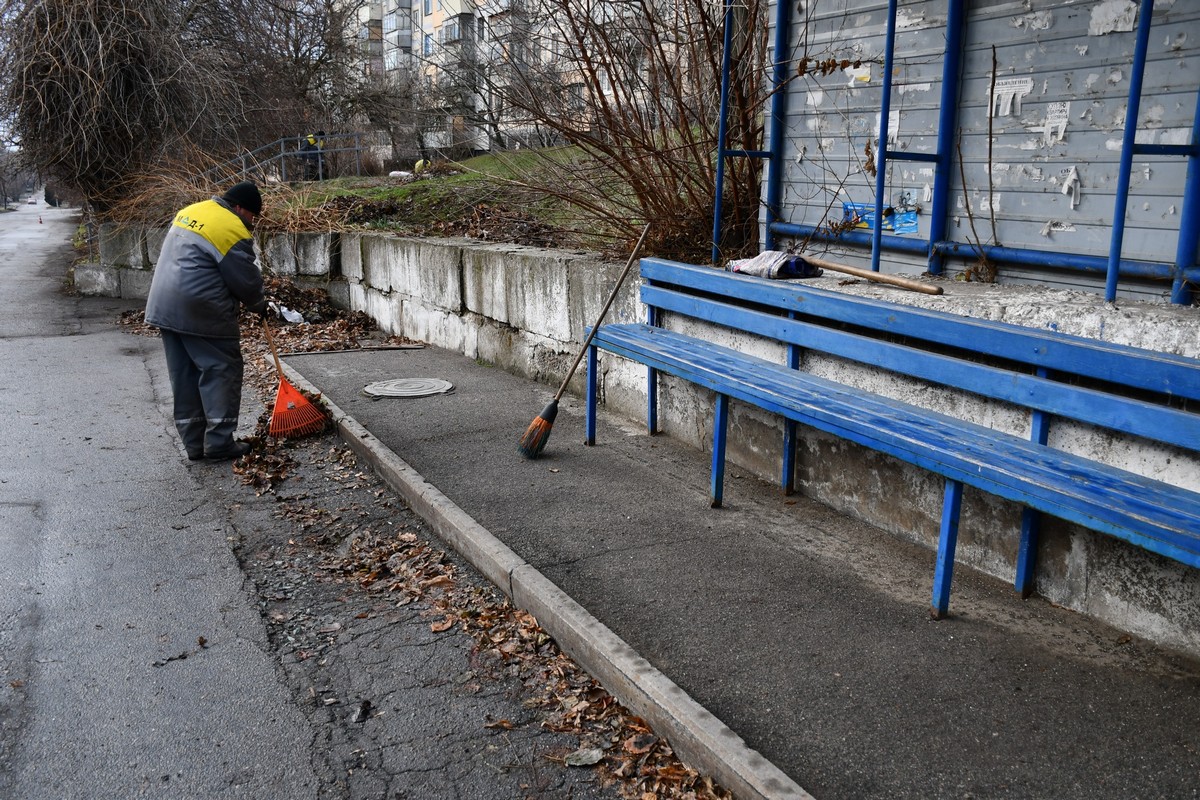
(525, 310)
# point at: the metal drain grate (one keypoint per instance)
(408, 387)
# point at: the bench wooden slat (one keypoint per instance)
(1155, 515)
(1157, 372)
(1123, 414)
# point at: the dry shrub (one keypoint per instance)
(635, 92)
(286, 207)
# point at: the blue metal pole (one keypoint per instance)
(1127, 146)
(939, 215)
(593, 380)
(1011, 255)
(788, 476)
(1031, 520)
(722, 130)
(1189, 226)
(901, 244)
(651, 381)
(783, 23)
(1074, 261)
(885, 110)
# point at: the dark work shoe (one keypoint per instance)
(235, 450)
(195, 455)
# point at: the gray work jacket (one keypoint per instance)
(206, 268)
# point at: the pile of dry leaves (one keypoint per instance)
(325, 328)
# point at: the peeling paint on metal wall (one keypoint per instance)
(1050, 88)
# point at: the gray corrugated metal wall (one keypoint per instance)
(1061, 73)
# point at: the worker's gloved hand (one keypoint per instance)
(263, 309)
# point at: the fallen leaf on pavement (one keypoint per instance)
(584, 757)
(640, 744)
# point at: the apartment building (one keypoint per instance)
(469, 59)
(434, 46)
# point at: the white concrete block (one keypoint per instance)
(122, 246)
(313, 253)
(94, 280)
(352, 256)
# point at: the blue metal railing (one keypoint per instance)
(881, 152)
(773, 155)
(1127, 148)
(1181, 273)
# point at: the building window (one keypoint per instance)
(427, 46)
(428, 7)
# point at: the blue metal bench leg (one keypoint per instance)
(720, 425)
(1027, 552)
(651, 400)
(651, 381)
(1039, 431)
(788, 479)
(947, 540)
(589, 428)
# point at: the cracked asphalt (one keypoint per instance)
(397, 710)
(137, 659)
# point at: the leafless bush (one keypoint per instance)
(634, 87)
(103, 94)
(98, 88)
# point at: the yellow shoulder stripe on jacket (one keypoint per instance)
(218, 225)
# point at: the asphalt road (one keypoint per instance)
(138, 659)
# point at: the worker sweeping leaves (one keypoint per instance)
(206, 270)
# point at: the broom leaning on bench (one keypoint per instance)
(534, 440)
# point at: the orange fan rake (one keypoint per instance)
(294, 414)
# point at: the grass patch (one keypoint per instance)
(493, 197)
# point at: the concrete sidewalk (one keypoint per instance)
(777, 644)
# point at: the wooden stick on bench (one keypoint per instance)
(878, 277)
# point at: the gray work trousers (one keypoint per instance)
(206, 380)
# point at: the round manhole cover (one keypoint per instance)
(408, 387)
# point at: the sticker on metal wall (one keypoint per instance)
(893, 127)
(1112, 16)
(862, 215)
(1056, 226)
(1006, 99)
(1071, 185)
(1038, 21)
(1057, 116)
(858, 75)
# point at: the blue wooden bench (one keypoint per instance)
(1055, 376)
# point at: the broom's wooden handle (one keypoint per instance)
(274, 352)
(878, 277)
(607, 304)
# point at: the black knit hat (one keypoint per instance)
(245, 194)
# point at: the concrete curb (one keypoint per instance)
(700, 739)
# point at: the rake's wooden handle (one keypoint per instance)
(878, 277)
(274, 352)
